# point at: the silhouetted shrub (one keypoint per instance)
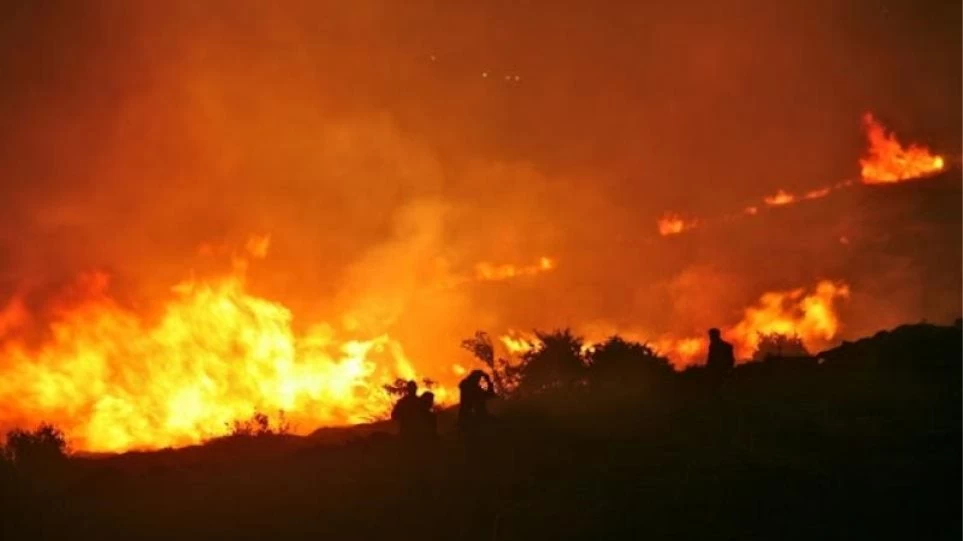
(779, 345)
(556, 363)
(42, 446)
(618, 364)
(504, 375)
(259, 424)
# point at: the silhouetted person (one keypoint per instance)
(720, 359)
(426, 422)
(405, 412)
(472, 408)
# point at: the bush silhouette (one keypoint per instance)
(42, 446)
(557, 363)
(259, 424)
(620, 365)
(779, 345)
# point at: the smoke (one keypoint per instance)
(389, 148)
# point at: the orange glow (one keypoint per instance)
(114, 381)
(489, 272)
(257, 246)
(780, 198)
(816, 194)
(809, 314)
(519, 343)
(12, 316)
(673, 224)
(887, 161)
(682, 351)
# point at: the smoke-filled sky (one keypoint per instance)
(387, 146)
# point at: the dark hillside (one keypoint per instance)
(861, 441)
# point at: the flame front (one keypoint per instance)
(115, 382)
(517, 343)
(810, 315)
(889, 162)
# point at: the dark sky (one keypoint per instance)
(373, 138)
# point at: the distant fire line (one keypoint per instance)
(886, 161)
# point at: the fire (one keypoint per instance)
(682, 351)
(817, 194)
(888, 161)
(781, 197)
(519, 343)
(809, 314)
(489, 272)
(114, 381)
(672, 224)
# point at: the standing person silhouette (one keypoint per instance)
(406, 412)
(720, 359)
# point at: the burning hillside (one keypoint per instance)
(888, 161)
(417, 173)
(115, 381)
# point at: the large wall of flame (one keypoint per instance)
(389, 146)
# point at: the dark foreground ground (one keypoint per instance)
(865, 445)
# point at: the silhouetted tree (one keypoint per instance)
(260, 425)
(556, 363)
(779, 345)
(44, 445)
(504, 375)
(618, 364)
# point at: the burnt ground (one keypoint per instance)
(865, 444)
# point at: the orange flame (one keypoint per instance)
(781, 197)
(682, 351)
(114, 381)
(673, 224)
(810, 315)
(817, 194)
(489, 272)
(887, 161)
(518, 343)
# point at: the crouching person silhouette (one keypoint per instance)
(415, 416)
(472, 407)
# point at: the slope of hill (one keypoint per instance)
(864, 443)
